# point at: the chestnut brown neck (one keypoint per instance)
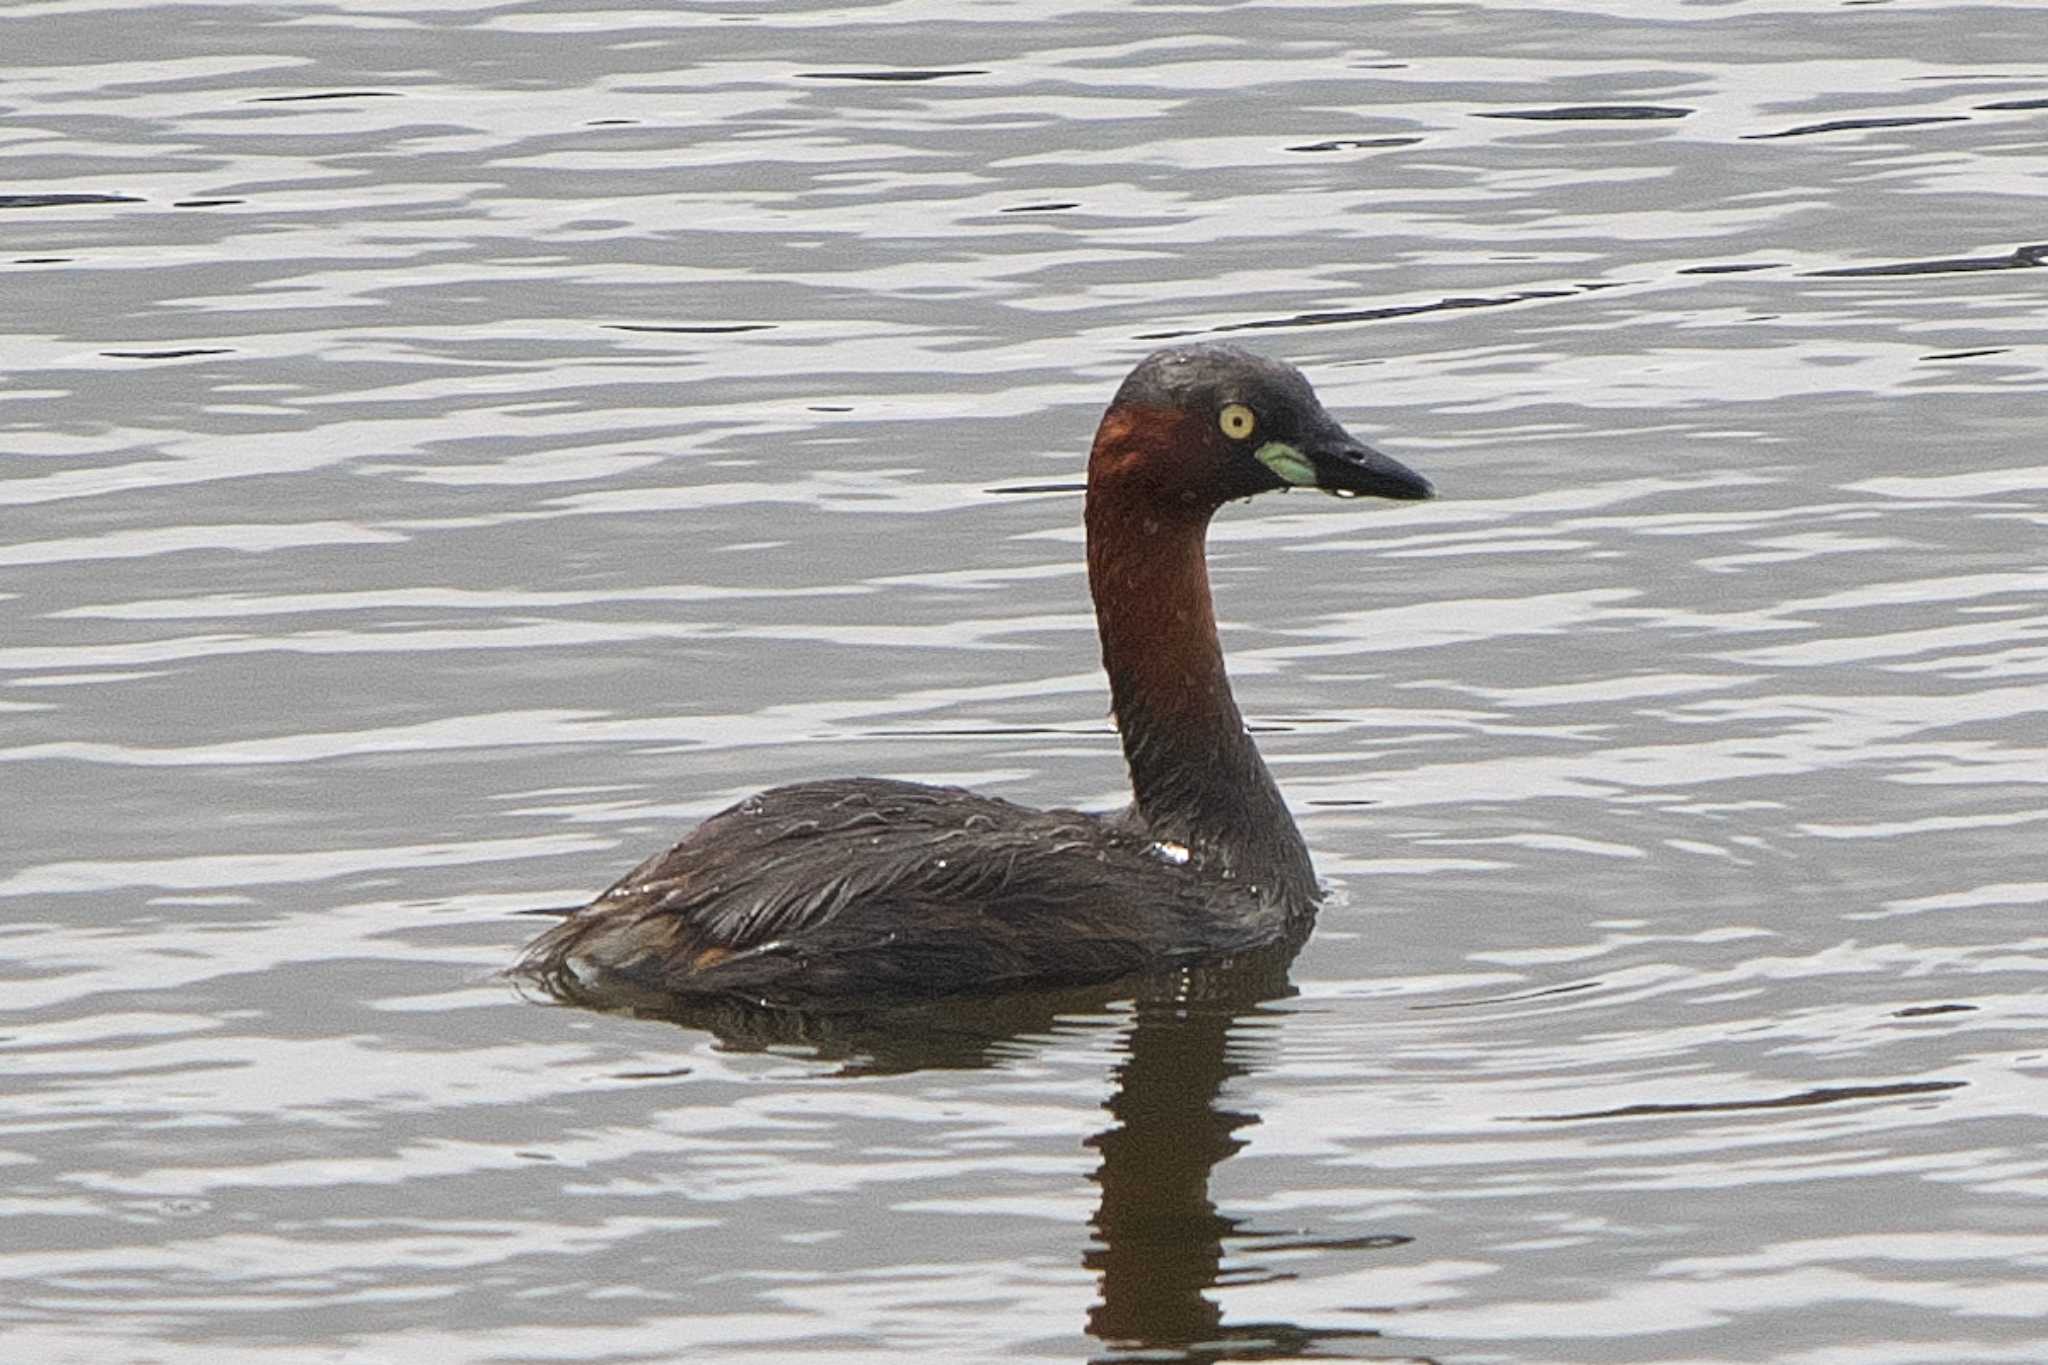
(1197, 777)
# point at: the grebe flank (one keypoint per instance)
(860, 890)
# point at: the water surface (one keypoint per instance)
(450, 447)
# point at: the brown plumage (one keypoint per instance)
(857, 891)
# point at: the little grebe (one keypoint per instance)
(863, 890)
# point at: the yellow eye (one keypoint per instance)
(1236, 420)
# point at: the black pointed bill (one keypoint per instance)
(1343, 467)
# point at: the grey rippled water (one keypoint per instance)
(445, 447)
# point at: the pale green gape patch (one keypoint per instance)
(1289, 463)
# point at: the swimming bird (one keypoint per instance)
(855, 891)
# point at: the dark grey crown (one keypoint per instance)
(1209, 374)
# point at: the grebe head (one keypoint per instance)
(1203, 425)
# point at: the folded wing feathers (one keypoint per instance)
(841, 866)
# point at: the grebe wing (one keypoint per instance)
(865, 887)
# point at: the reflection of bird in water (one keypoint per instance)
(1161, 1241)
(1162, 1253)
(861, 890)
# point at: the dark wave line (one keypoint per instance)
(49, 201)
(1846, 125)
(1330, 319)
(886, 75)
(977, 732)
(1573, 989)
(2022, 258)
(1738, 268)
(1967, 355)
(703, 329)
(1345, 144)
(1578, 112)
(1826, 1095)
(327, 95)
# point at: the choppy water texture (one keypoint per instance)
(451, 446)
